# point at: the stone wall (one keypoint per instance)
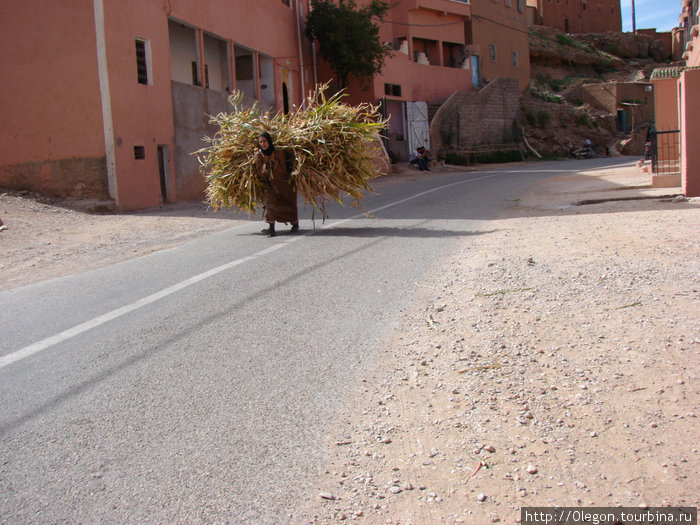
(77, 178)
(476, 118)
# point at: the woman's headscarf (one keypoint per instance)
(270, 147)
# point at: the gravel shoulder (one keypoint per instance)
(44, 239)
(553, 361)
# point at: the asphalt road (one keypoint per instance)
(196, 385)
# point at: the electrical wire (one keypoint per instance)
(461, 21)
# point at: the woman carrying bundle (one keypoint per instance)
(281, 199)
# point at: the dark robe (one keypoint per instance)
(281, 199)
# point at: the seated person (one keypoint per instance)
(426, 155)
(418, 159)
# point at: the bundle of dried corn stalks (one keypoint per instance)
(334, 148)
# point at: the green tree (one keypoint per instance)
(348, 39)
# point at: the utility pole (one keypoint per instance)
(634, 20)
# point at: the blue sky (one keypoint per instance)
(661, 14)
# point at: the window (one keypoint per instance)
(508, 3)
(143, 59)
(195, 74)
(514, 56)
(217, 75)
(139, 152)
(521, 6)
(393, 90)
(183, 51)
(492, 52)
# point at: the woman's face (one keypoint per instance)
(264, 144)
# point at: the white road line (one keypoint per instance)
(114, 314)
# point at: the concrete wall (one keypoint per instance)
(470, 118)
(192, 106)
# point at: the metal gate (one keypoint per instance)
(665, 151)
(417, 125)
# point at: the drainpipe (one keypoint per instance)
(106, 99)
(301, 54)
(313, 52)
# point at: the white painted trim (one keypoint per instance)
(106, 98)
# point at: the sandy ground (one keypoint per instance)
(553, 361)
(44, 239)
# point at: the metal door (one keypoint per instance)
(417, 124)
(665, 151)
(475, 70)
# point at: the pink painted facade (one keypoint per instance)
(689, 23)
(52, 121)
(107, 99)
(689, 108)
(440, 47)
(677, 96)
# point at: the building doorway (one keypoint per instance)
(285, 98)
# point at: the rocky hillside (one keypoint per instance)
(555, 119)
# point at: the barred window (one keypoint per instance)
(142, 61)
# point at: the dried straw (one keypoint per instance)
(334, 147)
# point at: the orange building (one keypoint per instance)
(108, 99)
(578, 16)
(677, 100)
(500, 37)
(440, 47)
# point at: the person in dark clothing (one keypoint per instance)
(281, 198)
(418, 158)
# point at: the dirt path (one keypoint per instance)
(552, 362)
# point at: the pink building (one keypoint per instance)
(677, 100)
(107, 99)
(440, 47)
